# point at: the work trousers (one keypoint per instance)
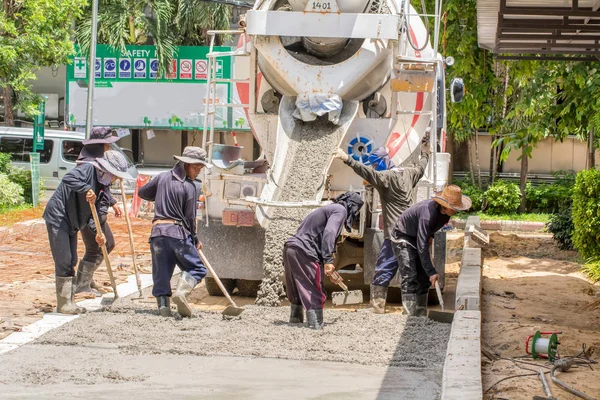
(386, 265)
(303, 279)
(166, 252)
(414, 278)
(93, 252)
(63, 246)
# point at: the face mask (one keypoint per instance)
(104, 178)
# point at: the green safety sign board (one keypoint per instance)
(131, 93)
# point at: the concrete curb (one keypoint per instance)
(55, 320)
(510, 226)
(462, 368)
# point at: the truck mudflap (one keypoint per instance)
(234, 252)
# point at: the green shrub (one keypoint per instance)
(592, 269)
(22, 177)
(502, 198)
(11, 194)
(586, 214)
(561, 227)
(476, 195)
(4, 163)
(550, 198)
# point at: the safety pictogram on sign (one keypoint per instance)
(172, 70)
(200, 69)
(185, 69)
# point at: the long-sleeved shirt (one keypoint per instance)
(175, 197)
(88, 154)
(395, 186)
(68, 203)
(318, 233)
(417, 225)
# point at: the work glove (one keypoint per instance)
(425, 145)
(340, 155)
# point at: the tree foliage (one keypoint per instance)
(33, 34)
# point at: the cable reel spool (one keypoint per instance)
(360, 148)
(543, 347)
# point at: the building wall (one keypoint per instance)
(548, 157)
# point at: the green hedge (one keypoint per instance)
(20, 177)
(586, 214)
(550, 197)
(502, 197)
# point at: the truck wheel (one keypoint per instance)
(213, 289)
(247, 288)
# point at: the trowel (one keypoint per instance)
(347, 296)
(440, 316)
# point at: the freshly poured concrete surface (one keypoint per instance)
(181, 377)
(134, 352)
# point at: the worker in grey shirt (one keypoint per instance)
(396, 187)
(411, 238)
(173, 240)
(308, 255)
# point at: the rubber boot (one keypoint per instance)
(378, 296)
(184, 287)
(85, 274)
(296, 314)
(315, 318)
(422, 305)
(64, 297)
(164, 306)
(409, 303)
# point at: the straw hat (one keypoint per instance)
(453, 198)
(194, 155)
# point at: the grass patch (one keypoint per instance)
(529, 217)
(10, 216)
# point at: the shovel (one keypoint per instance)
(345, 297)
(440, 316)
(233, 310)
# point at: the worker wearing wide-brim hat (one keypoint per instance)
(68, 211)
(411, 239)
(174, 239)
(94, 147)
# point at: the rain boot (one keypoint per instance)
(378, 296)
(184, 287)
(409, 303)
(422, 305)
(64, 297)
(164, 306)
(315, 318)
(296, 314)
(85, 274)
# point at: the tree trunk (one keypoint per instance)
(9, 118)
(471, 162)
(591, 150)
(477, 158)
(524, 169)
(498, 150)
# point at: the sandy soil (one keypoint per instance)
(27, 271)
(529, 285)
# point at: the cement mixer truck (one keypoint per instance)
(313, 76)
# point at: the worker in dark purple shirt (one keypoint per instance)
(94, 147)
(411, 238)
(173, 239)
(308, 255)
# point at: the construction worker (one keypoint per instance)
(411, 238)
(309, 254)
(94, 147)
(173, 239)
(68, 211)
(396, 188)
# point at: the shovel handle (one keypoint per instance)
(104, 251)
(439, 294)
(216, 278)
(138, 280)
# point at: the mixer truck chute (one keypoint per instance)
(313, 76)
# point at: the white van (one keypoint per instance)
(61, 149)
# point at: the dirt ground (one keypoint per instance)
(27, 270)
(528, 285)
